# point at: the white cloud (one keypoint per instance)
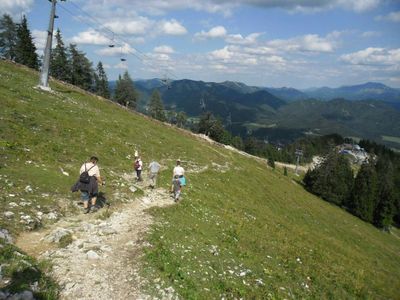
(215, 32)
(121, 65)
(356, 5)
(391, 17)
(160, 57)
(373, 56)
(223, 54)
(370, 34)
(116, 51)
(15, 7)
(226, 7)
(39, 38)
(164, 49)
(137, 26)
(239, 39)
(244, 57)
(172, 27)
(91, 37)
(306, 43)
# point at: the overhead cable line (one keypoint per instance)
(144, 58)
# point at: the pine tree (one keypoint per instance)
(212, 127)
(59, 65)
(181, 119)
(25, 50)
(8, 37)
(363, 197)
(81, 69)
(101, 81)
(125, 92)
(385, 208)
(156, 107)
(332, 179)
(237, 142)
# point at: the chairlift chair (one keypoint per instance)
(122, 57)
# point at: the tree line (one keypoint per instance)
(373, 194)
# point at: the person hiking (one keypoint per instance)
(154, 168)
(176, 187)
(180, 172)
(138, 164)
(88, 184)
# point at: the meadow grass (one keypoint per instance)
(242, 230)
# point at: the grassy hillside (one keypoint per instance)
(242, 230)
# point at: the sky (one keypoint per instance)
(270, 43)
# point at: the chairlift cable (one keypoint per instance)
(100, 31)
(121, 39)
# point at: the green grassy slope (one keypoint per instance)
(242, 230)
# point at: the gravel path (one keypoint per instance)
(102, 262)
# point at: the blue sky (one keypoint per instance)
(271, 43)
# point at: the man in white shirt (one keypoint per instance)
(154, 168)
(178, 170)
(91, 189)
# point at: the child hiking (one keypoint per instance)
(138, 164)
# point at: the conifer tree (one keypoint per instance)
(363, 197)
(156, 107)
(81, 69)
(385, 206)
(125, 92)
(181, 119)
(212, 127)
(8, 37)
(59, 66)
(237, 142)
(332, 179)
(101, 81)
(25, 49)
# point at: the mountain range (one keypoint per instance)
(285, 114)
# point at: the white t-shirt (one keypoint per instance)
(93, 171)
(178, 170)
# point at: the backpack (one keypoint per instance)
(137, 164)
(84, 177)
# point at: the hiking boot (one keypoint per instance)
(86, 210)
(93, 209)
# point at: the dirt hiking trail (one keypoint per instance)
(102, 261)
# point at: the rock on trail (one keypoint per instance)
(103, 259)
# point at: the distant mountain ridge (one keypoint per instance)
(284, 114)
(366, 91)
